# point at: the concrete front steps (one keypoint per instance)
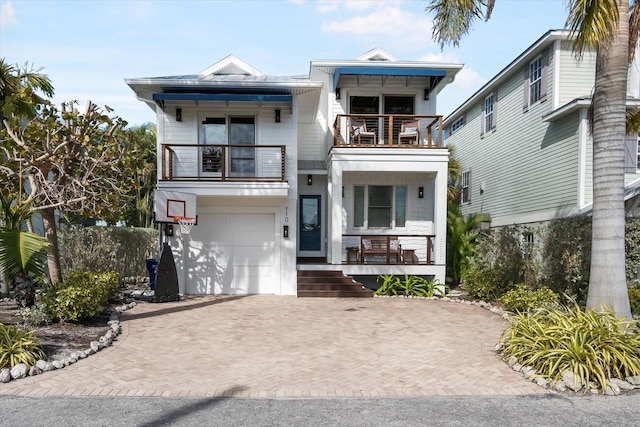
(323, 283)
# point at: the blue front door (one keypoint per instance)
(310, 223)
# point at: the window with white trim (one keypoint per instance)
(457, 124)
(638, 155)
(465, 188)
(379, 206)
(489, 116)
(535, 80)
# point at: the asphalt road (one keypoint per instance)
(547, 410)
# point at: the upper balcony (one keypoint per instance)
(229, 163)
(387, 131)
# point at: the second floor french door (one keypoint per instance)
(391, 104)
(237, 132)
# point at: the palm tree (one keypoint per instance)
(22, 254)
(611, 27)
(19, 89)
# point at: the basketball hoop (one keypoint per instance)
(185, 223)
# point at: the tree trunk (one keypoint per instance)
(53, 254)
(607, 282)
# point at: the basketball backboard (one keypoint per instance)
(170, 204)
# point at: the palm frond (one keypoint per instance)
(453, 18)
(634, 29)
(21, 251)
(592, 22)
(633, 121)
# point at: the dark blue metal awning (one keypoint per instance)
(220, 97)
(387, 71)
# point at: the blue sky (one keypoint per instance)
(88, 47)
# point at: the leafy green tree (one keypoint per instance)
(612, 28)
(65, 160)
(141, 158)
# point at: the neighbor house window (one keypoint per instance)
(638, 154)
(457, 124)
(535, 80)
(489, 107)
(379, 206)
(465, 188)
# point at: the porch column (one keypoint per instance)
(440, 215)
(334, 190)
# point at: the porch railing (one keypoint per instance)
(412, 249)
(223, 162)
(387, 129)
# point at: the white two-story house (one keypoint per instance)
(523, 139)
(340, 170)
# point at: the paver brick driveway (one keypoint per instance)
(275, 346)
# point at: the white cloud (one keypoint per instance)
(7, 15)
(392, 22)
(469, 79)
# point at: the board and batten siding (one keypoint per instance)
(525, 165)
(577, 77)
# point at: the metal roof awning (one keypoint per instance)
(386, 71)
(221, 97)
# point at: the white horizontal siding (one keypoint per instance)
(311, 142)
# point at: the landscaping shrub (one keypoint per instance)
(502, 250)
(634, 299)
(82, 295)
(410, 286)
(18, 345)
(632, 247)
(567, 256)
(120, 249)
(484, 283)
(523, 299)
(595, 346)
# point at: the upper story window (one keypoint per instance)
(535, 80)
(457, 124)
(638, 154)
(489, 113)
(379, 206)
(465, 188)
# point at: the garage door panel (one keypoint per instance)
(233, 253)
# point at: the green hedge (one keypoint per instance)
(120, 249)
(82, 295)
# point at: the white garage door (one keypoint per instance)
(232, 254)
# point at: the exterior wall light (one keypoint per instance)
(285, 231)
(426, 94)
(337, 93)
(309, 179)
(420, 192)
(178, 114)
(277, 116)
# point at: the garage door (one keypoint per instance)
(233, 254)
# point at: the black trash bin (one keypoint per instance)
(152, 268)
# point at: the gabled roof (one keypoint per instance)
(231, 65)
(528, 55)
(377, 54)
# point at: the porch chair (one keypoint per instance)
(409, 131)
(359, 131)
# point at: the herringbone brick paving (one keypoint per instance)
(275, 346)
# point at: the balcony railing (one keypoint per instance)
(386, 131)
(223, 162)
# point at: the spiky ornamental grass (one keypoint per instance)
(18, 345)
(595, 346)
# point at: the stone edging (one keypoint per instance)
(568, 383)
(22, 371)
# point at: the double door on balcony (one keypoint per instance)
(391, 105)
(232, 141)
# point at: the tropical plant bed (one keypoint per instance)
(59, 340)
